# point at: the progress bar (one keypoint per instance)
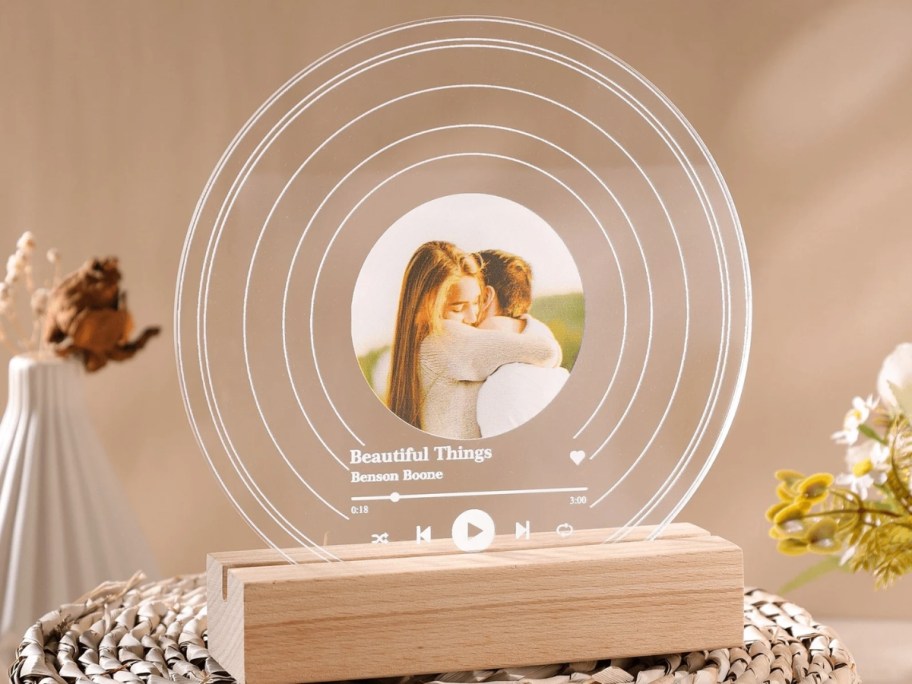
(396, 496)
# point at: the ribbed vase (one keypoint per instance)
(65, 525)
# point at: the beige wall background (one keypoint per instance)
(113, 114)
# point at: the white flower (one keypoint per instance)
(896, 372)
(855, 418)
(53, 255)
(868, 464)
(26, 243)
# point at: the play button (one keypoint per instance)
(473, 530)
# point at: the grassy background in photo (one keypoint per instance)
(565, 315)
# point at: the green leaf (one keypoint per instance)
(828, 564)
(868, 432)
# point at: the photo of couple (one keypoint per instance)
(468, 343)
(468, 360)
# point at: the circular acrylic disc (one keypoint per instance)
(462, 277)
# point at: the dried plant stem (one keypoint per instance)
(35, 342)
(842, 514)
(14, 322)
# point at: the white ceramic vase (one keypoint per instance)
(65, 525)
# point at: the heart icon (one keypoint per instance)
(577, 456)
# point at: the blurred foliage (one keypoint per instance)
(369, 361)
(565, 315)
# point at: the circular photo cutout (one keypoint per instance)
(467, 316)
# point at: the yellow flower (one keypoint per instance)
(787, 480)
(815, 488)
(789, 476)
(774, 509)
(785, 492)
(801, 504)
(790, 520)
(778, 533)
(863, 467)
(792, 547)
(790, 513)
(821, 537)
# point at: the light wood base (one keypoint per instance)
(396, 609)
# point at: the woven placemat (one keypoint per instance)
(155, 633)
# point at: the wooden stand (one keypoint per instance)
(400, 608)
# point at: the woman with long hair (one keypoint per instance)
(438, 359)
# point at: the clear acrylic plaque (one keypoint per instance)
(462, 277)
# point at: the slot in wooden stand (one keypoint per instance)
(401, 608)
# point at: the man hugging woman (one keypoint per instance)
(467, 359)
